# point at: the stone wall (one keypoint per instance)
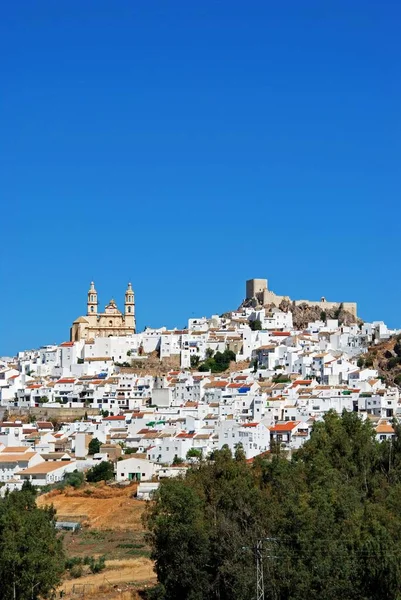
(61, 414)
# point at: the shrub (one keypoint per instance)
(255, 325)
(76, 571)
(73, 561)
(101, 472)
(393, 362)
(75, 479)
(96, 566)
(94, 446)
(397, 380)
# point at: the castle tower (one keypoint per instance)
(92, 300)
(129, 306)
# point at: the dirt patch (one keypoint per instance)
(120, 576)
(98, 506)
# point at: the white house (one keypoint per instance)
(135, 469)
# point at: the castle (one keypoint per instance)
(258, 288)
(110, 323)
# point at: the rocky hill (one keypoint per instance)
(304, 313)
(386, 358)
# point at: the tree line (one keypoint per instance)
(329, 521)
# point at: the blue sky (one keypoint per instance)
(189, 146)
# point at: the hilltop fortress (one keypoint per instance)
(258, 289)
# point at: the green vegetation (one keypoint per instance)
(74, 564)
(219, 362)
(31, 556)
(330, 519)
(394, 361)
(104, 471)
(194, 361)
(194, 453)
(94, 446)
(255, 325)
(281, 378)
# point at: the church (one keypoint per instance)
(111, 322)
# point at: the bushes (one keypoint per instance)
(104, 471)
(281, 379)
(94, 446)
(75, 565)
(219, 362)
(76, 571)
(393, 362)
(75, 479)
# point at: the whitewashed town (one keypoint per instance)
(158, 400)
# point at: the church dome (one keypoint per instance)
(81, 320)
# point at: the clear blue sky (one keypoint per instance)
(188, 145)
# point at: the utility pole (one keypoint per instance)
(260, 588)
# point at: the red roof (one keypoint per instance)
(66, 344)
(282, 333)
(115, 418)
(250, 424)
(185, 435)
(285, 426)
(66, 380)
(13, 376)
(235, 385)
(302, 382)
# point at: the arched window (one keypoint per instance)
(129, 309)
(111, 323)
(92, 309)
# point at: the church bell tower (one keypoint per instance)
(129, 311)
(92, 300)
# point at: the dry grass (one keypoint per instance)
(98, 506)
(117, 572)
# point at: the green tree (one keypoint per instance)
(75, 479)
(194, 361)
(219, 362)
(330, 518)
(255, 325)
(104, 471)
(94, 446)
(194, 453)
(31, 555)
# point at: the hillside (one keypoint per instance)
(386, 358)
(100, 506)
(303, 314)
(111, 520)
